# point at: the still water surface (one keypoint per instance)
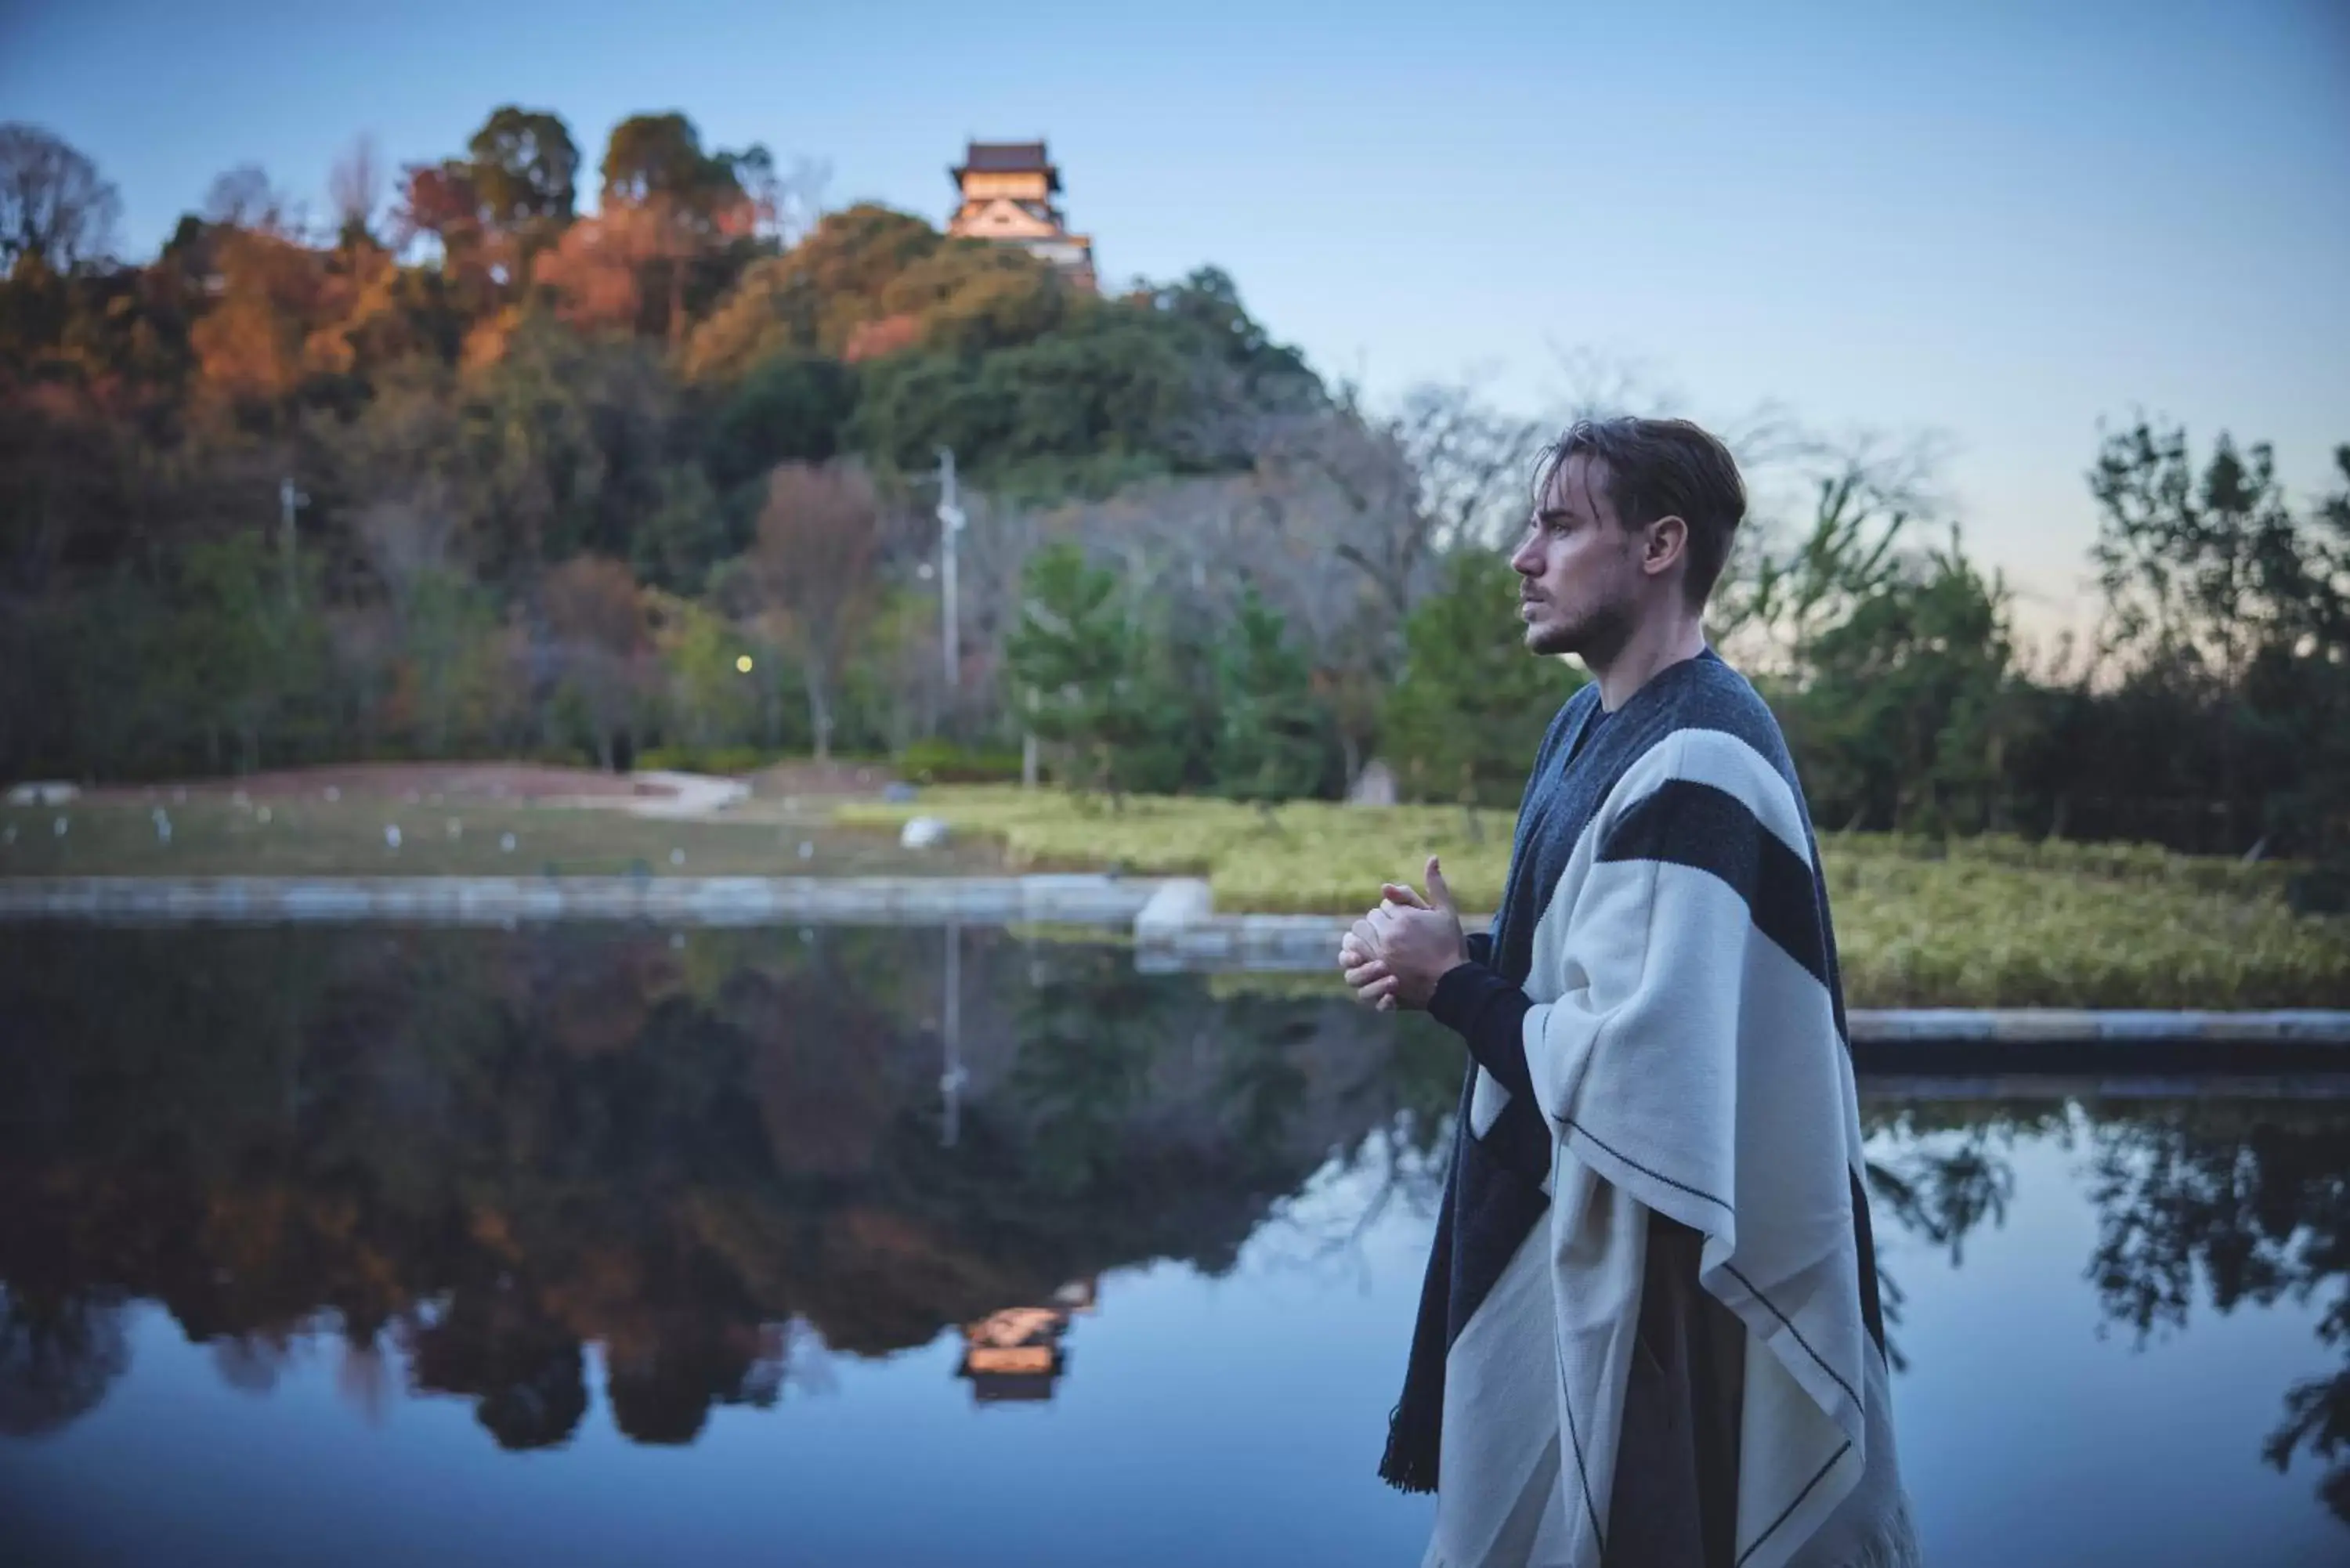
(826, 1247)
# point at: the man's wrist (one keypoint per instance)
(1456, 992)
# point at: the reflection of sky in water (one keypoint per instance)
(1227, 1419)
(1201, 1420)
(2026, 1437)
(1232, 1420)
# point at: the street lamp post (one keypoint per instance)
(289, 496)
(950, 521)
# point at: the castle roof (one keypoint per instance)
(1007, 158)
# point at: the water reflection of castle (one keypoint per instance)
(1015, 1356)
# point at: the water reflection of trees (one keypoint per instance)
(474, 1158)
(2253, 1201)
(57, 1358)
(718, 1162)
(2236, 1201)
(1938, 1171)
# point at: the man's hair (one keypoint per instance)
(1662, 468)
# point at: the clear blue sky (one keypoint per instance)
(1994, 221)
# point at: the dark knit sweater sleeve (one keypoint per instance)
(1489, 1014)
(1481, 948)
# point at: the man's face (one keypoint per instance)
(1580, 585)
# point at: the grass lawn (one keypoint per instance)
(214, 837)
(1981, 922)
(1992, 922)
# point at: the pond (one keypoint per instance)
(848, 1247)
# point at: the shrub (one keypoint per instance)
(943, 762)
(708, 758)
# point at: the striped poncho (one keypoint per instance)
(1650, 1331)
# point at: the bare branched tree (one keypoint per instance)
(1869, 496)
(787, 202)
(1473, 461)
(243, 198)
(53, 204)
(1595, 383)
(1829, 519)
(813, 567)
(355, 185)
(1354, 478)
(597, 618)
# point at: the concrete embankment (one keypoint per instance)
(1172, 923)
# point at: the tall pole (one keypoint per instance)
(950, 521)
(952, 1076)
(289, 498)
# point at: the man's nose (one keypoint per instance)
(1527, 561)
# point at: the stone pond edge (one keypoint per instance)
(1173, 923)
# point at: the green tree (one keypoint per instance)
(658, 157)
(791, 408)
(250, 641)
(969, 297)
(1465, 721)
(1073, 657)
(2202, 567)
(447, 624)
(525, 168)
(1274, 740)
(2207, 576)
(684, 534)
(569, 437)
(712, 700)
(1171, 729)
(1902, 720)
(1850, 554)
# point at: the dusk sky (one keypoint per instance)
(1988, 222)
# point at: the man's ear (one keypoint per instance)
(1663, 542)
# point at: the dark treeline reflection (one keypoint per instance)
(468, 1158)
(2201, 1204)
(486, 1153)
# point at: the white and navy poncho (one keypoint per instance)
(1650, 1332)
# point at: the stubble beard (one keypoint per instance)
(1595, 637)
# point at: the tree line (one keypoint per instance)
(459, 468)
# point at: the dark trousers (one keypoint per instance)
(1675, 1500)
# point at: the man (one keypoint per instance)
(1650, 1332)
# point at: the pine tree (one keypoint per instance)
(1274, 743)
(1464, 721)
(1076, 650)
